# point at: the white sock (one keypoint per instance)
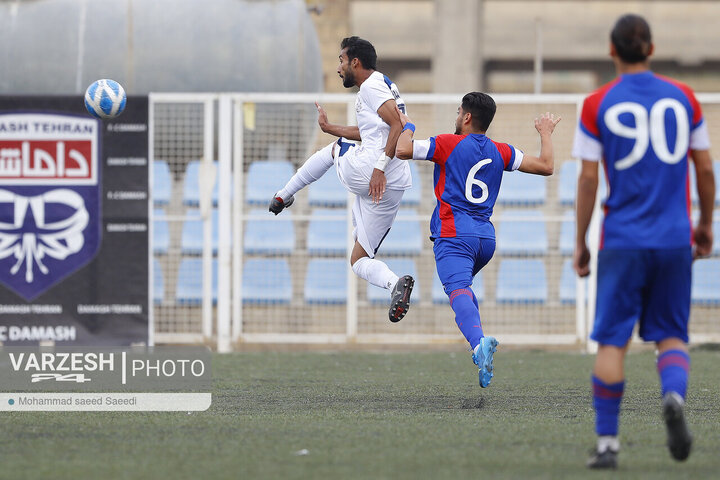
(608, 441)
(313, 168)
(375, 272)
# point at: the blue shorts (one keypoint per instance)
(651, 286)
(459, 259)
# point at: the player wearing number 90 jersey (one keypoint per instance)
(641, 126)
(468, 171)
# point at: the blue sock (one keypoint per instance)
(606, 400)
(673, 367)
(467, 316)
(475, 301)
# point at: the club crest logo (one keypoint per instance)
(50, 223)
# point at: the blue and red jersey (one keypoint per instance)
(467, 176)
(642, 127)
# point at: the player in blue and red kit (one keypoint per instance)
(468, 170)
(642, 127)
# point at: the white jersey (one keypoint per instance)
(375, 91)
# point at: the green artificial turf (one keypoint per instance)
(376, 415)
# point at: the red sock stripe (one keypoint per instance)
(602, 392)
(460, 291)
(673, 360)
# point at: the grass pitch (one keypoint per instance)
(375, 415)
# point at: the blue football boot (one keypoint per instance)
(483, 357)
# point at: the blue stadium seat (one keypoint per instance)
(162, 183)
(191, 185)
(439, 295)
(693, 183)
(567, 234)
(158, 283)
(567, 184)
(327, 236)
(191, 241)
(326, 281)
(269, 235)
(189, 281)
(266, 280)
(161, 233)
(327, 191)
(405, 236)
(521, 281)
(706, 281)
(401, 266)
(522, 237)
(567, 282)
(518, 188)
(264, 179)
(412, 196)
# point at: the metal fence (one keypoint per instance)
(228, 271)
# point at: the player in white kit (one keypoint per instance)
(370, 170)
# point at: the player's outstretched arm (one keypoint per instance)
(404, 147)
(702, 233)
(545, 163)
(351, 132)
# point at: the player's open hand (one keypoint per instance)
(703, 239)
(545, 123)
(377, 185)
(322, 117)
(581, 260)
(403, 118)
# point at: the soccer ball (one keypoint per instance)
(105, 98)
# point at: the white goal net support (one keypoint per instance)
(226, 271)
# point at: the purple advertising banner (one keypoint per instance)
(73, 223)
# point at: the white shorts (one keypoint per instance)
(355, 166)
(352, 171)
(372, 221)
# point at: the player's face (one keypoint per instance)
(345, 70)
(459, 121)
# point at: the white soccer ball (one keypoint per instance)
(105, 98)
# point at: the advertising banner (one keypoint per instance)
(73, 223)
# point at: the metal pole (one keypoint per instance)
(205, 211)
(224, 217)
(80, 48)
(130, 55)
(538, 55)
(594, 246)
(352, 282)
(151, 263)
(237, 233)
(581, 300)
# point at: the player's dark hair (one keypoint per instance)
(360, 49)
(631, 38)
(482, 108)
